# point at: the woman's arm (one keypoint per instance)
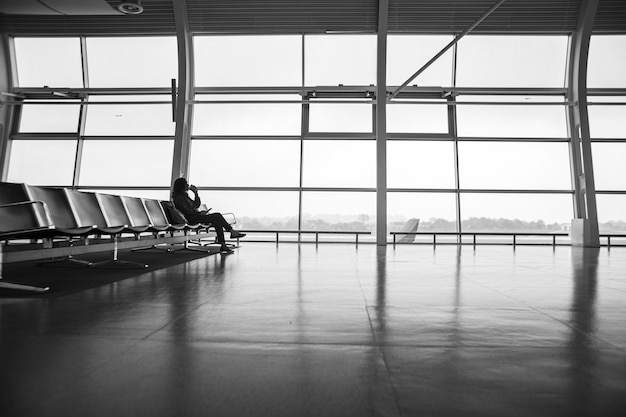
(196, 196)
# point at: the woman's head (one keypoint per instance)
(180, 186)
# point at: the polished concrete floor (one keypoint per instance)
(336, 330)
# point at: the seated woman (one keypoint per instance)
(190, 210)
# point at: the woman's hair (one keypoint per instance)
(179, 187)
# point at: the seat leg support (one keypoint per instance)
(18, 287)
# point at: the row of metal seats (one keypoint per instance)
(35, 212)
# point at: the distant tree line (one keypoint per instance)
(433, 224)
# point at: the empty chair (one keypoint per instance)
(88, 210)
(22, 220)
(12, 192)
(115, 214)
(63, 218)
(138, 214)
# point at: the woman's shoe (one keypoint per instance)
(236, 235)
(225, 249)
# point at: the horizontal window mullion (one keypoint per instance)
(509, 139)
(420, 136)
(314, 189)
(339, 136)
(249, 137)
(512, 191)
(127, 137)
(44, 136)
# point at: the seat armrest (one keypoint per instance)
(25, 214)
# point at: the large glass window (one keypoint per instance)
(248, 60)
(263, 210)
(420, 164)
(259, 163)
(49, 118)
(339, 163)
(607, 62)
(608, 166)
(340, 117)
(339, 59)
(53, 62)
(435, 211)
(511, 61)
(607, 120)
(132, 61)
(42, 162)
(126, 162)
(514, 165)
(408, 53)
(338, 210)
(133, 119)
(417, 118)
(511, 212)
(611, 213)
(511, 120)
(242, 115)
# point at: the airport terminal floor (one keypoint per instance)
(295, 330)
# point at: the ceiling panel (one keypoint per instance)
(318, 16)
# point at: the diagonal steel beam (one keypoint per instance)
(448, 46)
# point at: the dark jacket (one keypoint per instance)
(186, 205)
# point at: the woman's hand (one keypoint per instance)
(193, 188)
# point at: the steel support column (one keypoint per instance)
(585, 224)
(182, 114)
(381, 124)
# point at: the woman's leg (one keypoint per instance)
(219, 223)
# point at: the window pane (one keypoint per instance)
(611, 213)
(263, 210)
(338, 211)
(339, 163)
(49, 118)
(126, 163)
(129, 119)
(511, 61)
(608, 165)
(436, 211)
(259, 163)
(532, 212)
(511, 120)
(343, 118)
(538, 166)
(417, 118)
(420, 164)
(408, 53)
(60, 57)
(607, 62)
(248, 60)
(228, 119)
(132, 61)
(42, 162)
(607, 121)
(339, 59)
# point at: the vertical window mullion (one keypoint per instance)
(82, 118)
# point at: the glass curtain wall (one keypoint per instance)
(606, 80)
(117, 139)
(277, 139)
(283, 127)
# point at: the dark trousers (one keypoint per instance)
(217, 220)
